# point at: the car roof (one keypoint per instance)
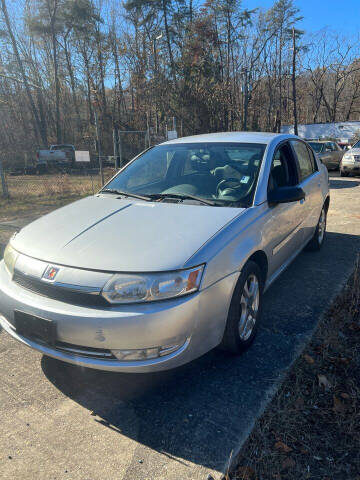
(231, 137)
(62, 145)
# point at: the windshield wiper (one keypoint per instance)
(126, 194)
(186, 196)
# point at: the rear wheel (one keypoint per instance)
(245, 310)
(318, 239)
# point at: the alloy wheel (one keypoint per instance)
(249, 306)
(322, 226)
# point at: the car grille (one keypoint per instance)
(59, 293)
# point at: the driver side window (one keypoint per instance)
(283, 169)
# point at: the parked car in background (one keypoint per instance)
(328, 152)
(171, 258)
(350, 163)
(58, 156)
(344, 145)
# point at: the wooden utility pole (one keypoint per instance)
(294, 82)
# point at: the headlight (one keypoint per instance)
(134, 288)
(10, 257)
(348, 156)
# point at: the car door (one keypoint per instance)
(338, 154)
(309, 181)
(283, 227)
(333, 155)
(326, 156)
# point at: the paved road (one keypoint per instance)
(60, 421)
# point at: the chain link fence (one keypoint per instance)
(20, 184)
(22, 176)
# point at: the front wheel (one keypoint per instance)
(245, 310)
(344, 174)
(318, 239)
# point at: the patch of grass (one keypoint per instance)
(39, 194)
(311, 429)
(24, 207)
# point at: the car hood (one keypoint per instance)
(106, 233)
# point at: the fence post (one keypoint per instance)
(3, 182)
(116, 147)
(120, 152)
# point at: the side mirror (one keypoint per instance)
(285, 195)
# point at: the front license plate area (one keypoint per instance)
(35, 328)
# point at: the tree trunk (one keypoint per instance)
(293, 77)
(172, 63)
(72, 82)
(52, 17)
(34, 112)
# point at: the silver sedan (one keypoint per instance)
(350, 163)
(171, 258)
(329, 153)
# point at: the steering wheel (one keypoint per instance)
(227, 184)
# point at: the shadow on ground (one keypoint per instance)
(199, 412)
(337, 182)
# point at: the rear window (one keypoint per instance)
(306, 165)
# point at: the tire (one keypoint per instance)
(343, 174)
(317, 240)
(241, 325)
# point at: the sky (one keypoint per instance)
(339, 15)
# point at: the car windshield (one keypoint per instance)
(317, 147)
(221, 173)
(357, 144)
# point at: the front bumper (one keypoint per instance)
(351, 168)
(195, 322)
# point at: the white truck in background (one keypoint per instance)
(58, 156)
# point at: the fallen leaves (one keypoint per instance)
(288, 463)
(309, 359)
(339, 360)
(282, 447)
(354, 327)
(324, 382)
(339, 406)
(245, 473)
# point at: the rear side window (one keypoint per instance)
(305, 162)
(312, 158)
(331, 146)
